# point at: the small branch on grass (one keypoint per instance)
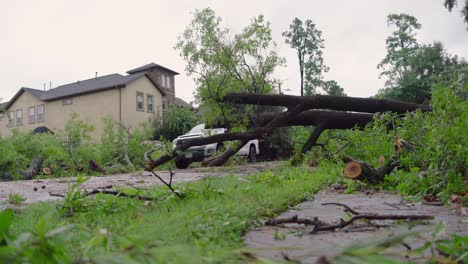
(323, 226)
(168, 184)
(104, 190)
(341, 148)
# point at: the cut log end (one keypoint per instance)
(352, 169)
(46, 171)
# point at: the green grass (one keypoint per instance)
(206, 226)
(15, 199)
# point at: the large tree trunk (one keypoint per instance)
(333, 119)
(221, 159)
(313, 137)
(342, 103)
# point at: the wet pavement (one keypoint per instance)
(298, 244)
(39, 190)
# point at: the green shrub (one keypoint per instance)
(176, 121)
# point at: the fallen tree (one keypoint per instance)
(297, 114)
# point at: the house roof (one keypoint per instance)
(181, 102)
(2, 106)
(107, 82)
(91, 85)
(150, 66)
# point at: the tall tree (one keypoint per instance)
(222, 63)
(428, 65)
(307, 40)
(401, 44)
(450, 4)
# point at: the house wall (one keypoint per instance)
(91, 108)
(25, 100)
(130, 115)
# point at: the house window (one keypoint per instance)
(163, 80)
(164, 104)
(168, 81)
(40, 113)
(11, 119)
(67, 101)
(140, 102)
(150, 103)
(32, 114)
(19, 117)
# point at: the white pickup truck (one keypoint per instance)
(199, 153)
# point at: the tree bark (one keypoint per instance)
(221, 159)
(342, 103)
(34, 168)
(358, 170)
(333, 119)
(313, 137)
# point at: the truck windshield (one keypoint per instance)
(198, 129)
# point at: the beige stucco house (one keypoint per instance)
(132, 99)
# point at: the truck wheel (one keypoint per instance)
(252, 154)
(182, 163)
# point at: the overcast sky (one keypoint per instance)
(62, 41)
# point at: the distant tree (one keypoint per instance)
(450, 4)
(222, 63)
(332, 88)
(401, 44)
(427, 66)
(307, 40)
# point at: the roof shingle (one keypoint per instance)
(150, 66)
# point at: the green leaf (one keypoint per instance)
(6, 218)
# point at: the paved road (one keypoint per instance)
(304, 247)
(39, 190)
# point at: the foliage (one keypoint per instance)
(307, 40)
(450, 4)
(42, 244)
(439, 162)
(122, 144)
(332, 88)
(401, 44)
(68, 150)
(206, 226)
(388, 250)
(413, 69)
(221, 63)
(176, 121)
(15, 199)
(75, 197)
